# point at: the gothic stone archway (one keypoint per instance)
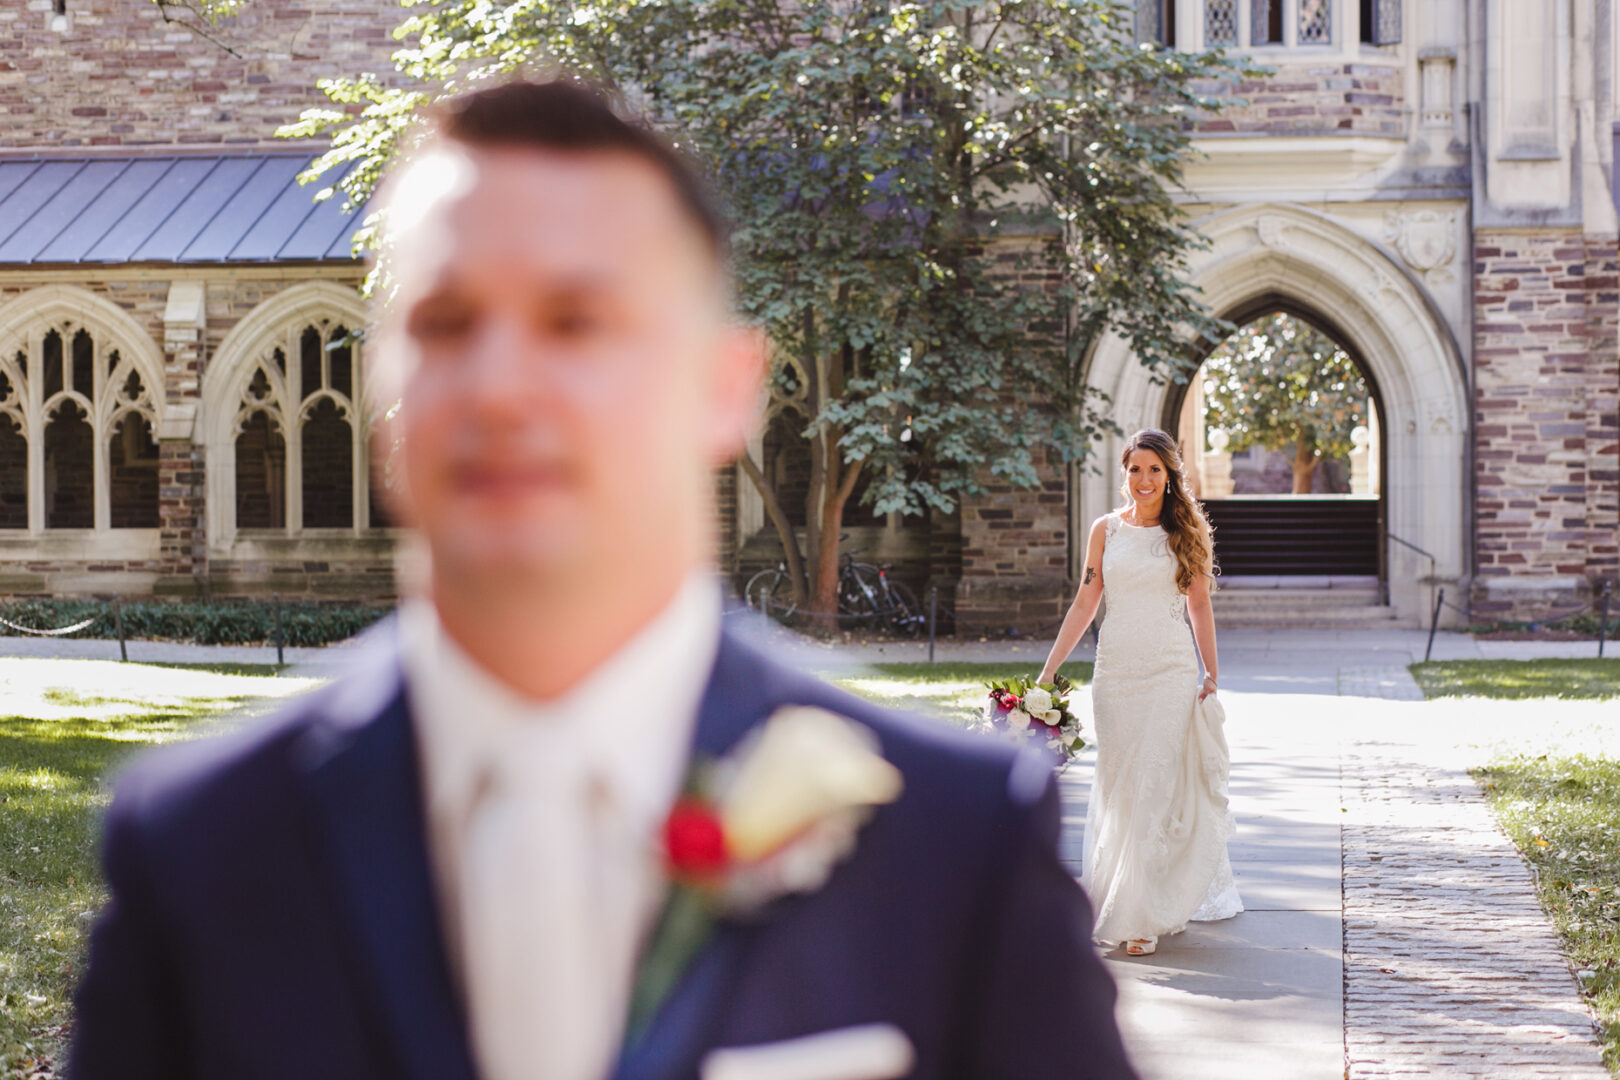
(1386, 320)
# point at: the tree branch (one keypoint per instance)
(784, 530)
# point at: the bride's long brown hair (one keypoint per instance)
(1188, 530)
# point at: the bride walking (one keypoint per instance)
(1157, 820)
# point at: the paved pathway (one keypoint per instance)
(1451, 968)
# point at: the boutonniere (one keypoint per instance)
(1024, 710)
(773, 817)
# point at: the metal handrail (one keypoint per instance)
(1433, 565)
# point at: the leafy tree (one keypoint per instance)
(939, 206)
(1278, 381)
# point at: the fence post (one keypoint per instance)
(123, 650)
(933, 618)
(1434, 622)
(1603, 617)
(276, 597)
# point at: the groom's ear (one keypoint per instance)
(736, 392)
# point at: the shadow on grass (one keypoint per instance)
(53, 788)
(954, 692)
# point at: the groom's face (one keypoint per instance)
(570, 379)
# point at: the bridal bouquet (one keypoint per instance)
(1024, 710)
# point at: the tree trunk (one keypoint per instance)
(832, 523)
(1304, 461)
(784, 530)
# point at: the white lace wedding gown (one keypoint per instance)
(1157, 820)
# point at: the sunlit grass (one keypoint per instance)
(1514, 679)
(1563, 812)
(950, 691)
(65, 726)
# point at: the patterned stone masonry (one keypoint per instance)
(1451, 968)
(1363, 99)
(1547, 455)
(134, 74)
(1015, 556)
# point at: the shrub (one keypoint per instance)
(237, 622)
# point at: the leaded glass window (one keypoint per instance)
(1381, 22)
(1266, 22)
(1220, 23)
(1315, 22)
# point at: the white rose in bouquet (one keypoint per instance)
(1018, 720)
(1037, 701)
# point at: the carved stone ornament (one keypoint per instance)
(1426, 239)
(1270, 229)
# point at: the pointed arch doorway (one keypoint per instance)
(1271, 254)
(1281, 433)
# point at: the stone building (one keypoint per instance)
(181, 408)
(1431, 184)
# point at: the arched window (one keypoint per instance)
(299, 437)
(77, 415)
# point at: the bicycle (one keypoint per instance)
(866, 593)
(867, 597)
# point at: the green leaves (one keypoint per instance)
(1277, 377)
(940, 205)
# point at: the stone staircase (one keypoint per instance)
(1252, 602)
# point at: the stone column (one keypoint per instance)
(1359, 482)
(1217, 466)
(182, 521)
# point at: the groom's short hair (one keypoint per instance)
(568, 115)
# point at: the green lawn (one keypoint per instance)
(1564, 814)
(1519, 678)
(65, 725)
(952, 691)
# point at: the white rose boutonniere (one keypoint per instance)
(774, 817)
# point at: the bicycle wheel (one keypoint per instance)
(770, 592)
(905, 617)
(860, 598)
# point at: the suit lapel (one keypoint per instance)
(741, 692)
(366, 810)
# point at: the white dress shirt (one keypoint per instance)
(543, 821)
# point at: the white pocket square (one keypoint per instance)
(866, 1052)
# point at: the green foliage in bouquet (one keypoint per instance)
(1025, 710)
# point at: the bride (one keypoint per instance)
(1157, 820)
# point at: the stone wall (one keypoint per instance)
(122, 74)
(1546, 439)
(1015, 557)
(1327, 98)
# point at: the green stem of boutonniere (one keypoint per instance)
(684, 927)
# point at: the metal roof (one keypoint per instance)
(211, 208)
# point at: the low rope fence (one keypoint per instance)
(235, 622)
(58, 632)
(1599, 604)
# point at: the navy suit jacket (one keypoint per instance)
(272, 912)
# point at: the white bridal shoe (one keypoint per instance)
(1141, 946)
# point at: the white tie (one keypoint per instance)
(548, 904)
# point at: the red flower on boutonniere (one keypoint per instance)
(773, 817)
(695, 841)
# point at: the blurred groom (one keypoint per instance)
(471, 855)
